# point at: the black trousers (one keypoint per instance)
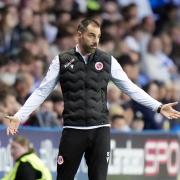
(94, 143)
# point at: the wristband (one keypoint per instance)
(159, 108)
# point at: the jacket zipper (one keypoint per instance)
(86, 78)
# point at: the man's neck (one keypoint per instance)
(81, 51)
(84, 56)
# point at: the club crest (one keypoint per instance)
(60, 160)
(99, 66)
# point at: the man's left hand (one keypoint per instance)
(169, 112)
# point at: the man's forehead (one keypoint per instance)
(92, 28)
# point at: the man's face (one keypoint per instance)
(89, 39)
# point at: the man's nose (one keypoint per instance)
(95, 41)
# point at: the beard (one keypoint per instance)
(89, 48)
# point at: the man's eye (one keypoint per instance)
(91, 35)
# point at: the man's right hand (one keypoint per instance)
(12, 124)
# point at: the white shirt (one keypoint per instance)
(118, 76)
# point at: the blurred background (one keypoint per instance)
(143, 35)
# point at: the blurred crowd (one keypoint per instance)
(144, 36)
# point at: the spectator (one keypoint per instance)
(27, 60)
(7, 23)
(152, 120)
(8, 69)
(64, 41)
(8, 102)
(45, 117)
(37, 25)
(27, 164)
(129, 66)
(58, 105)
(62, 17)
(143, 7)
(109, 27)
(38, 68)
(154, 63)
(118, 122)
(24, 26)
(174, 31)
(138, 122)
(148, 27)
(107, 43)
(113, 94)
(130, 15)
(23, 85)
(111, 11)
(128, 112)
(115, 109)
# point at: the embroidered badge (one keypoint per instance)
(99, 66)
(69, 63)
(60, 160)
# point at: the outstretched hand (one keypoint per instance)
(12, 124)
(169, 112)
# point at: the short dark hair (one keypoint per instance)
(85, 22)
(124, 60)
(56, 96)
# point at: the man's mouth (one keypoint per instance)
(93, 46)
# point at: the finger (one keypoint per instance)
(170, 117)
(174, 117)
(173, 104)
(10, 118)
(7, 131)
(15, 131)
(177, 113)
(11, 131)
(15, 127)
(7, 117)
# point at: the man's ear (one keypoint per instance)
(79, 34)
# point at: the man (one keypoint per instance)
(84, 73)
